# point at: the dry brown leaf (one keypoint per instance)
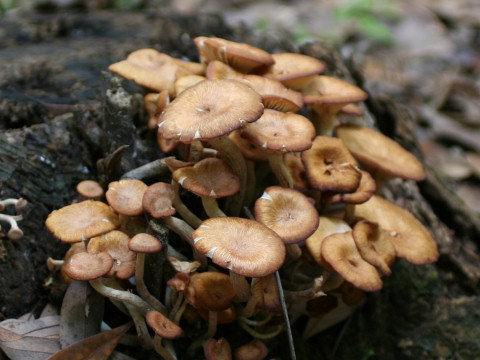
(96, 347)
(30, 339)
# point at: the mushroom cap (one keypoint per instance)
(187, 81)
(85, 219)
(210, 290)
(296, 169)
(340, 251)
(249, 150)
(243, 246)
(275, 95)
(217, 349)
(411, 239)
(374, 245)
(154, 104)
(324, 90)
(210, 109)
(151, 69)
(186, 267)
(208, 177)
(294, 70)
(87, 266)
(254, 350)
(125, 196)
(287, 212)
(329, 166)
(219, 70)
(241, 56)
(380, 153)
(279, 131)
(157, 200)
(144, 243)
(267, 288)
(90, 189)
(115, 243)
(366, 188)
(163, 327)
(179, 282)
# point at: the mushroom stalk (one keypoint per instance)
(142, 288)
(162, 351)
(19, 204)
(140, 326)
(120, 295)
(241, 286)
(182, 209)
(211, 207)
(14, 233)
(231, 154)
(275, 159)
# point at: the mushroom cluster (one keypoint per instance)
(284, 189)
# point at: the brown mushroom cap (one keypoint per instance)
(279, 131)
(275, 95)
(326, 90)
(187, 81)
(340, 251)
(157, 200)
(125, 196)
(411, 239)
(85, 219)
(249, 151)
(162, 326)
(154, 104)
(366, 188)
(208, 177)
(210, 290)
(88, 266)
(287, 212)
(242, 57)
(144, 243)
(243, 246)
(217, 350)
(115, 243)
(294, 70)
(329, 166)
(90, 189)
(254, 350)
(219, 70)
(380, 153)
(374, 245)
(210, 109)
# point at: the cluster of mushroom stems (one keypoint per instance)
(282, 185)
(14, 232)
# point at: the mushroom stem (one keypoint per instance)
(182, 209)
(14, 233)
(53, 264)
(251, 177)
(275, 159)
(231, 154)
(140, 326)
(324, 124)
(241, 286)
(349, 213)
(211, 207)
(163, 352)
(120, 295)
(19, 204)
(142, 287)
(258, 335)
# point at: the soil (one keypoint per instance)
(52, 106)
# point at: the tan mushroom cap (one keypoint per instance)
(125, 196)
(226, 316)
(327, 226)
(267, 287)
(254, 350)
(366, 189)
(275, 95)
(325, 90)
(163, 327)
(241, 56)
(151, 69)
(411, 239)
(115, 243)
(287, 212)
(187, 81)
(374, 245)
(85, 219)
(340, 251)
(90, 189)
(219, 70)
(144, 243)
(210, 109)
(380, 153)
(184, 266)
(87, 266)
(243, 246)
(210, 290)
(279, 131)
(329, 166)
(154, 104)
(295, 70)
(157, 200)
(296, 169)
(209, 177)
(217, 349)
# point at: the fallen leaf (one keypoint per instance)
(96, 347)
(81, 313)
(34, 339)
